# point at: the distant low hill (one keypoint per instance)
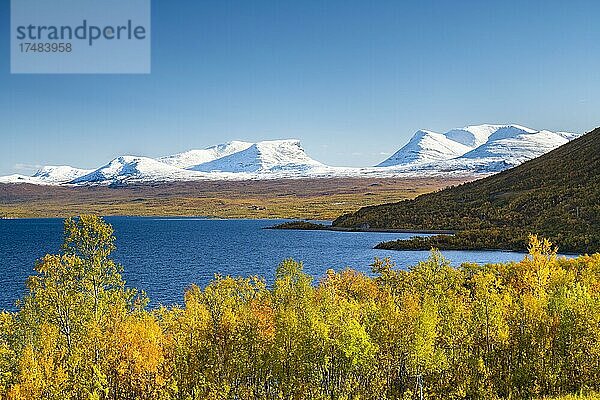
(556, 196)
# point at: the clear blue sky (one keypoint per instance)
(352, 79)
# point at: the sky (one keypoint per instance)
(353, 80)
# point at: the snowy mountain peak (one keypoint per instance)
(515, 145)
(426, 146)
(191, 158)
(423, 133)
(131, 167)
(569, 135)
(272, 155)
(510, 131)
(60, 174)
(507, 144)
(18, 178)
(476, 135)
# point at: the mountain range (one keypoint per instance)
(509, 145)
(555, 195)
(472, 150)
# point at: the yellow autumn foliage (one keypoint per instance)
(529, 329)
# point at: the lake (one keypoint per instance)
(163, 256)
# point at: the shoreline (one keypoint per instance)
(310, 226)
(199, 217)
(367, 230)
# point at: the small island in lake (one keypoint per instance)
(301, 226)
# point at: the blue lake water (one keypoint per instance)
(163, 256)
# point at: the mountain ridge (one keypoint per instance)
(510, 142)
(262, 156)
(475, 150)
(426, 146)
(192, 158)
(556, 195)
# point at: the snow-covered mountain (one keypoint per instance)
(473, 147)
(273, 155)
(475, 135)
(426, 146)
(192, 158)
(59, 174)
(49, 175)
(18, 178)
(468, 151)
(234, 160)
(516, 145)
(132, 168)
(569, 135)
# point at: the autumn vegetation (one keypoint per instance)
(518, 330)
